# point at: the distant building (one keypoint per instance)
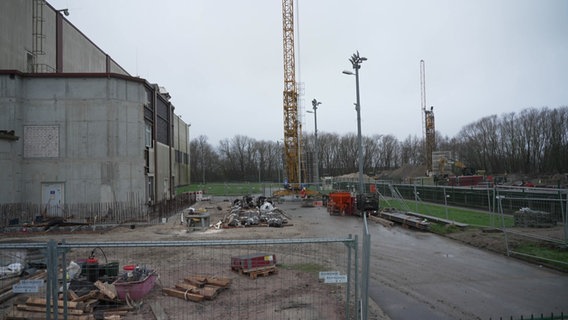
(75, 127)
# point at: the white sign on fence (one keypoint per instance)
(338, 278)
(27, 286)
(323, 274)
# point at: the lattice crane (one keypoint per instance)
(428, 126)
(291, 131)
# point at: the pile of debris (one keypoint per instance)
(94, 291)
(246, 212)
(98, 302)
(528, 218)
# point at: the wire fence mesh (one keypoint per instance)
(274, 279)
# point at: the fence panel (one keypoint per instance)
(292, 290)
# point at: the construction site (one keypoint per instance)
(93, 227)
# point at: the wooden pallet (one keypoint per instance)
(256, 272)
(197, 288)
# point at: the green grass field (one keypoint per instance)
(232, 189)
(462, 215)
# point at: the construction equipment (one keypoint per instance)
(428, 125)
(341, 203)
(346, 204)
(291, 132)
(292, 124)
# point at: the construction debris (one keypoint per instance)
(197, 288)
(246, 213)
(526, 217)
(87, 307)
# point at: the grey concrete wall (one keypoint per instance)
(79, 53)
(10, 150)
(15, 35)
(181, 143)
(116, 68)
(100, 134)
(162, 176)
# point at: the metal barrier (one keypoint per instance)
(365, 267)
(312, 279)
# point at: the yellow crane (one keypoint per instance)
(291, 132)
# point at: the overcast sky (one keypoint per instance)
(222, 61)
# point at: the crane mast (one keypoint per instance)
(428, 126)
(291, 136)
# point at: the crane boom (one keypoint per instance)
(291, 137)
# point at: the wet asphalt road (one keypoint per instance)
(418, 275)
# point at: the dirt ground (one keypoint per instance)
(301, 225)
(297, 300)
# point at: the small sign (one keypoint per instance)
(34, 282)
(340, 278)
(25, 288)
(323, 274)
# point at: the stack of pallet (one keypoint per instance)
(198, 288)
(86, 306)
(35, 308)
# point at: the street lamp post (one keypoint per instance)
(315, 105)
(356, 61)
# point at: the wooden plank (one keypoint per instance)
(264, 273)
(42, 302)
(30, 315)
(210, 292)
(107, 289)
(186, 295)
(109, 313)
(384, 222)
(72, 295)
(87, 296)
(60, 310)
(245, 270)
(217, 281)
(198, 281)
(184, 286)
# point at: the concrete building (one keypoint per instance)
(75, 127)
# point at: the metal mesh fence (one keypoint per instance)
(196, 280)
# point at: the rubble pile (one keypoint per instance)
(246, 212)
(528, 218)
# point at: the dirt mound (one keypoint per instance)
(402, 173)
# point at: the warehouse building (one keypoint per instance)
(75, 127)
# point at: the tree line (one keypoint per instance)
(532, 141)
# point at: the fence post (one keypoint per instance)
(51, 294)
(365, 270)
(347, 298)
(564, 212)
(356, 248)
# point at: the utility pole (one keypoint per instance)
(315, 105)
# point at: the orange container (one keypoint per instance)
(341, 202)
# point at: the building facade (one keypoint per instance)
(75, 127)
